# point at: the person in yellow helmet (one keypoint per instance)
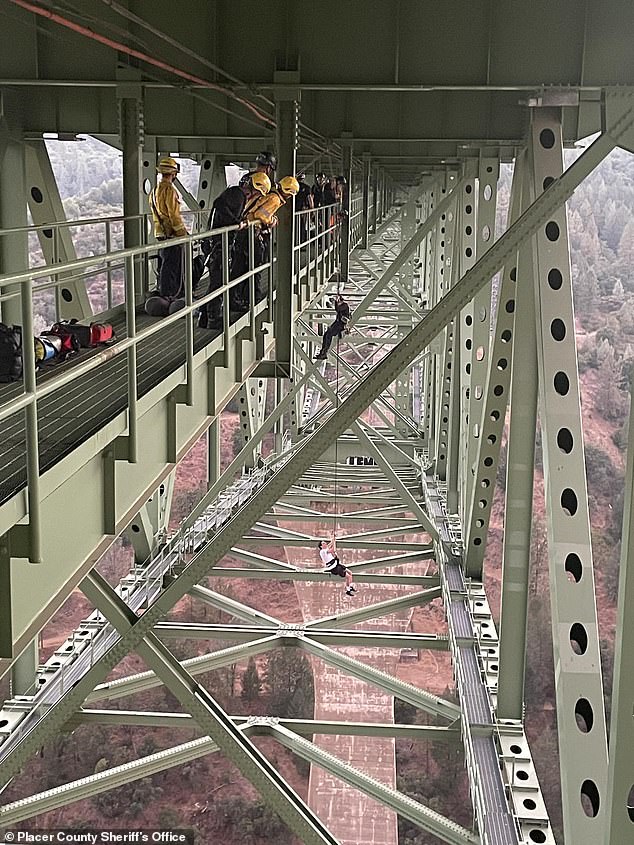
(262, 214)
(168, 223)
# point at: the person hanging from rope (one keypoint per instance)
(328, 554)
(337, 328)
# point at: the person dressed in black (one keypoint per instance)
(303, 202)
(229, 209)
(265, 162)
(337, 328)
(318, 190)
(329, 196)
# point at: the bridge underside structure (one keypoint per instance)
(462, 335)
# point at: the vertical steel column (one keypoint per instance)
(287, 117)
(6, 614)
(204, 192)
(445, 449)
(467, 236)
(453, 445)
(402, 387)
(620, 794)
(344, 242)
(213, 452)
(13, 205)
(578, 685)
(484, 220)
(247, 405)
(131, 126)
(431, 291)
(496, 393)
(367, 225)
(375, 199)
(520, 464)
(24, 670)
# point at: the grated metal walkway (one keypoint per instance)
(70, 415)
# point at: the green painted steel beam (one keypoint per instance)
(303, 727)
(311, 542)
(88, 787)
(233, 607)
(620, 790)
(406, 807)
(194, 630)
(399, 689)
(254, 645)
(520, 471)
(372, 611)
(317, 575)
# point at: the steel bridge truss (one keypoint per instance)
(399, 433)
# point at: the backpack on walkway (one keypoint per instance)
(10, 353)
(89, 336)
(70, 343)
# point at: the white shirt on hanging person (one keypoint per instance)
(328, 558)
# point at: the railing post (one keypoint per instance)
(375, 200)
(344, 242)
(30, 412)
(252, 290)
(189, 324)
(225, 298)
(130, 314)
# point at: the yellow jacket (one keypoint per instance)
(263, 211)
(165, 207)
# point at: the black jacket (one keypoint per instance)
(227, 208)
(343, 311)
(301, 201)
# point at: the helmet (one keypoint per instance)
(261, 182)
(267, 159)
(320, 175)
(341, 180)
(301, 176)
(289, 185)
(168, 165)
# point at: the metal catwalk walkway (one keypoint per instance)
(71, 414)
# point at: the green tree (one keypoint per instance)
(290, 681)
(610, 397)
(251, 683)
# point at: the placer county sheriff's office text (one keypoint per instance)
(75, 837)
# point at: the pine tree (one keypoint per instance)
(610, 398)
(290, 680)
(251, 683)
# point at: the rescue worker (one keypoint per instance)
(318, 190)
(228, 209)
(262, 213)
(332, 564)
(337, 328)
(168, 223)
(265, 162)
(340, 188)
(304, 202)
